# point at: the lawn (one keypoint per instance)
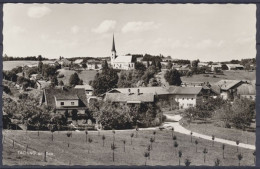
(85, 75)
(162, 153)
(230, 75)
(220, 132)
(9, 65)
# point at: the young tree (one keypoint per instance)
(191, 136)
(124, 144)
(172, 130)
(136, 131)
(205, 151)
(84, 65)
(114, 132)
(146, 155)
(176, 145)
(254, 154)
(86, 132)
(196, 142)
(173, 77)
(113, 148)
(154, 132)
(69, 135)
(89, 141)
(237, 142)
(103, 138)
(213, 138)
(61, 83)
(149, 150)
(180, 155)
(217, 162)
(223, 148)
(187, 162)
(151, 141)
(239, 157)
(132, 135)
(169, 65)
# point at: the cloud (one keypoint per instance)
(139, 26)
(38, 11)
(105, 26)
(75, 29)
(16, 30)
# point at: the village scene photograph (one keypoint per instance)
(129, 85)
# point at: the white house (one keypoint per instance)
(121, 62)
(235, 67)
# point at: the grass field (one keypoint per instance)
(9, 65)
(163, 152)
(85, 75)
(225, 133)
(230, 75)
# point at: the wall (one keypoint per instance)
(124, 66)
(186, 101)
(67, 103)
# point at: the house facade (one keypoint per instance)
(67, 101)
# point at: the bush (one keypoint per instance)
(6, 89)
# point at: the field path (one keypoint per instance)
(178, 128)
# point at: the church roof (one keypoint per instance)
(113, 45)
(123, 59)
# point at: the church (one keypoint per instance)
(121, 62)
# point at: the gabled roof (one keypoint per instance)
(246, 89)
(124, 59)
(227, 84)
(187, 90)
(78, 61)
(234, 65)
(66, 94)
(131, 98)
(86, 87)
(154, 90)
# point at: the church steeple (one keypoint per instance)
(113, 45)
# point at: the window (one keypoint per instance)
(191, 98)
(182, 98)
(61, 103)
(72, 103)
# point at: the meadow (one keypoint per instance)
(229, 75)
(9, 65)
(80, 152)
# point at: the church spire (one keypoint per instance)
(113, 45)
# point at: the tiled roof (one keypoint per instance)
(154, 90)
(187, 90)
(65, 93)
(227, 84)
(123, 59)
(246, 89)
(124, 97)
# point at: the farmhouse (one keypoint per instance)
(247, 91)
(88, 89)
(121, 62)
(227, 88)
(130, 98)
(94, 65)
(235, 67)
(216, 67)
(70, 102)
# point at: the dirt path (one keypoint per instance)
(178, 128)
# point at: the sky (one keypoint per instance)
(208, 32)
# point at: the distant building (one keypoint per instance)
(78, 62)
(227, 88)
(94, 65)
(247, 91)
(202, 64)
(235, 67)
(121, 62)
(216, 67)
(64, 62)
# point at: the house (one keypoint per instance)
(130, 98)
(202, 64)
(183, 70)
(235, 67)
(216, 67)
(42, 84)
(78, 62)
(121, 62)
(94, 65)
(64, 62)
(88, 89)
(227, 88)
(247, 91)
(185, 96)
(70, 102)
(188, 96)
